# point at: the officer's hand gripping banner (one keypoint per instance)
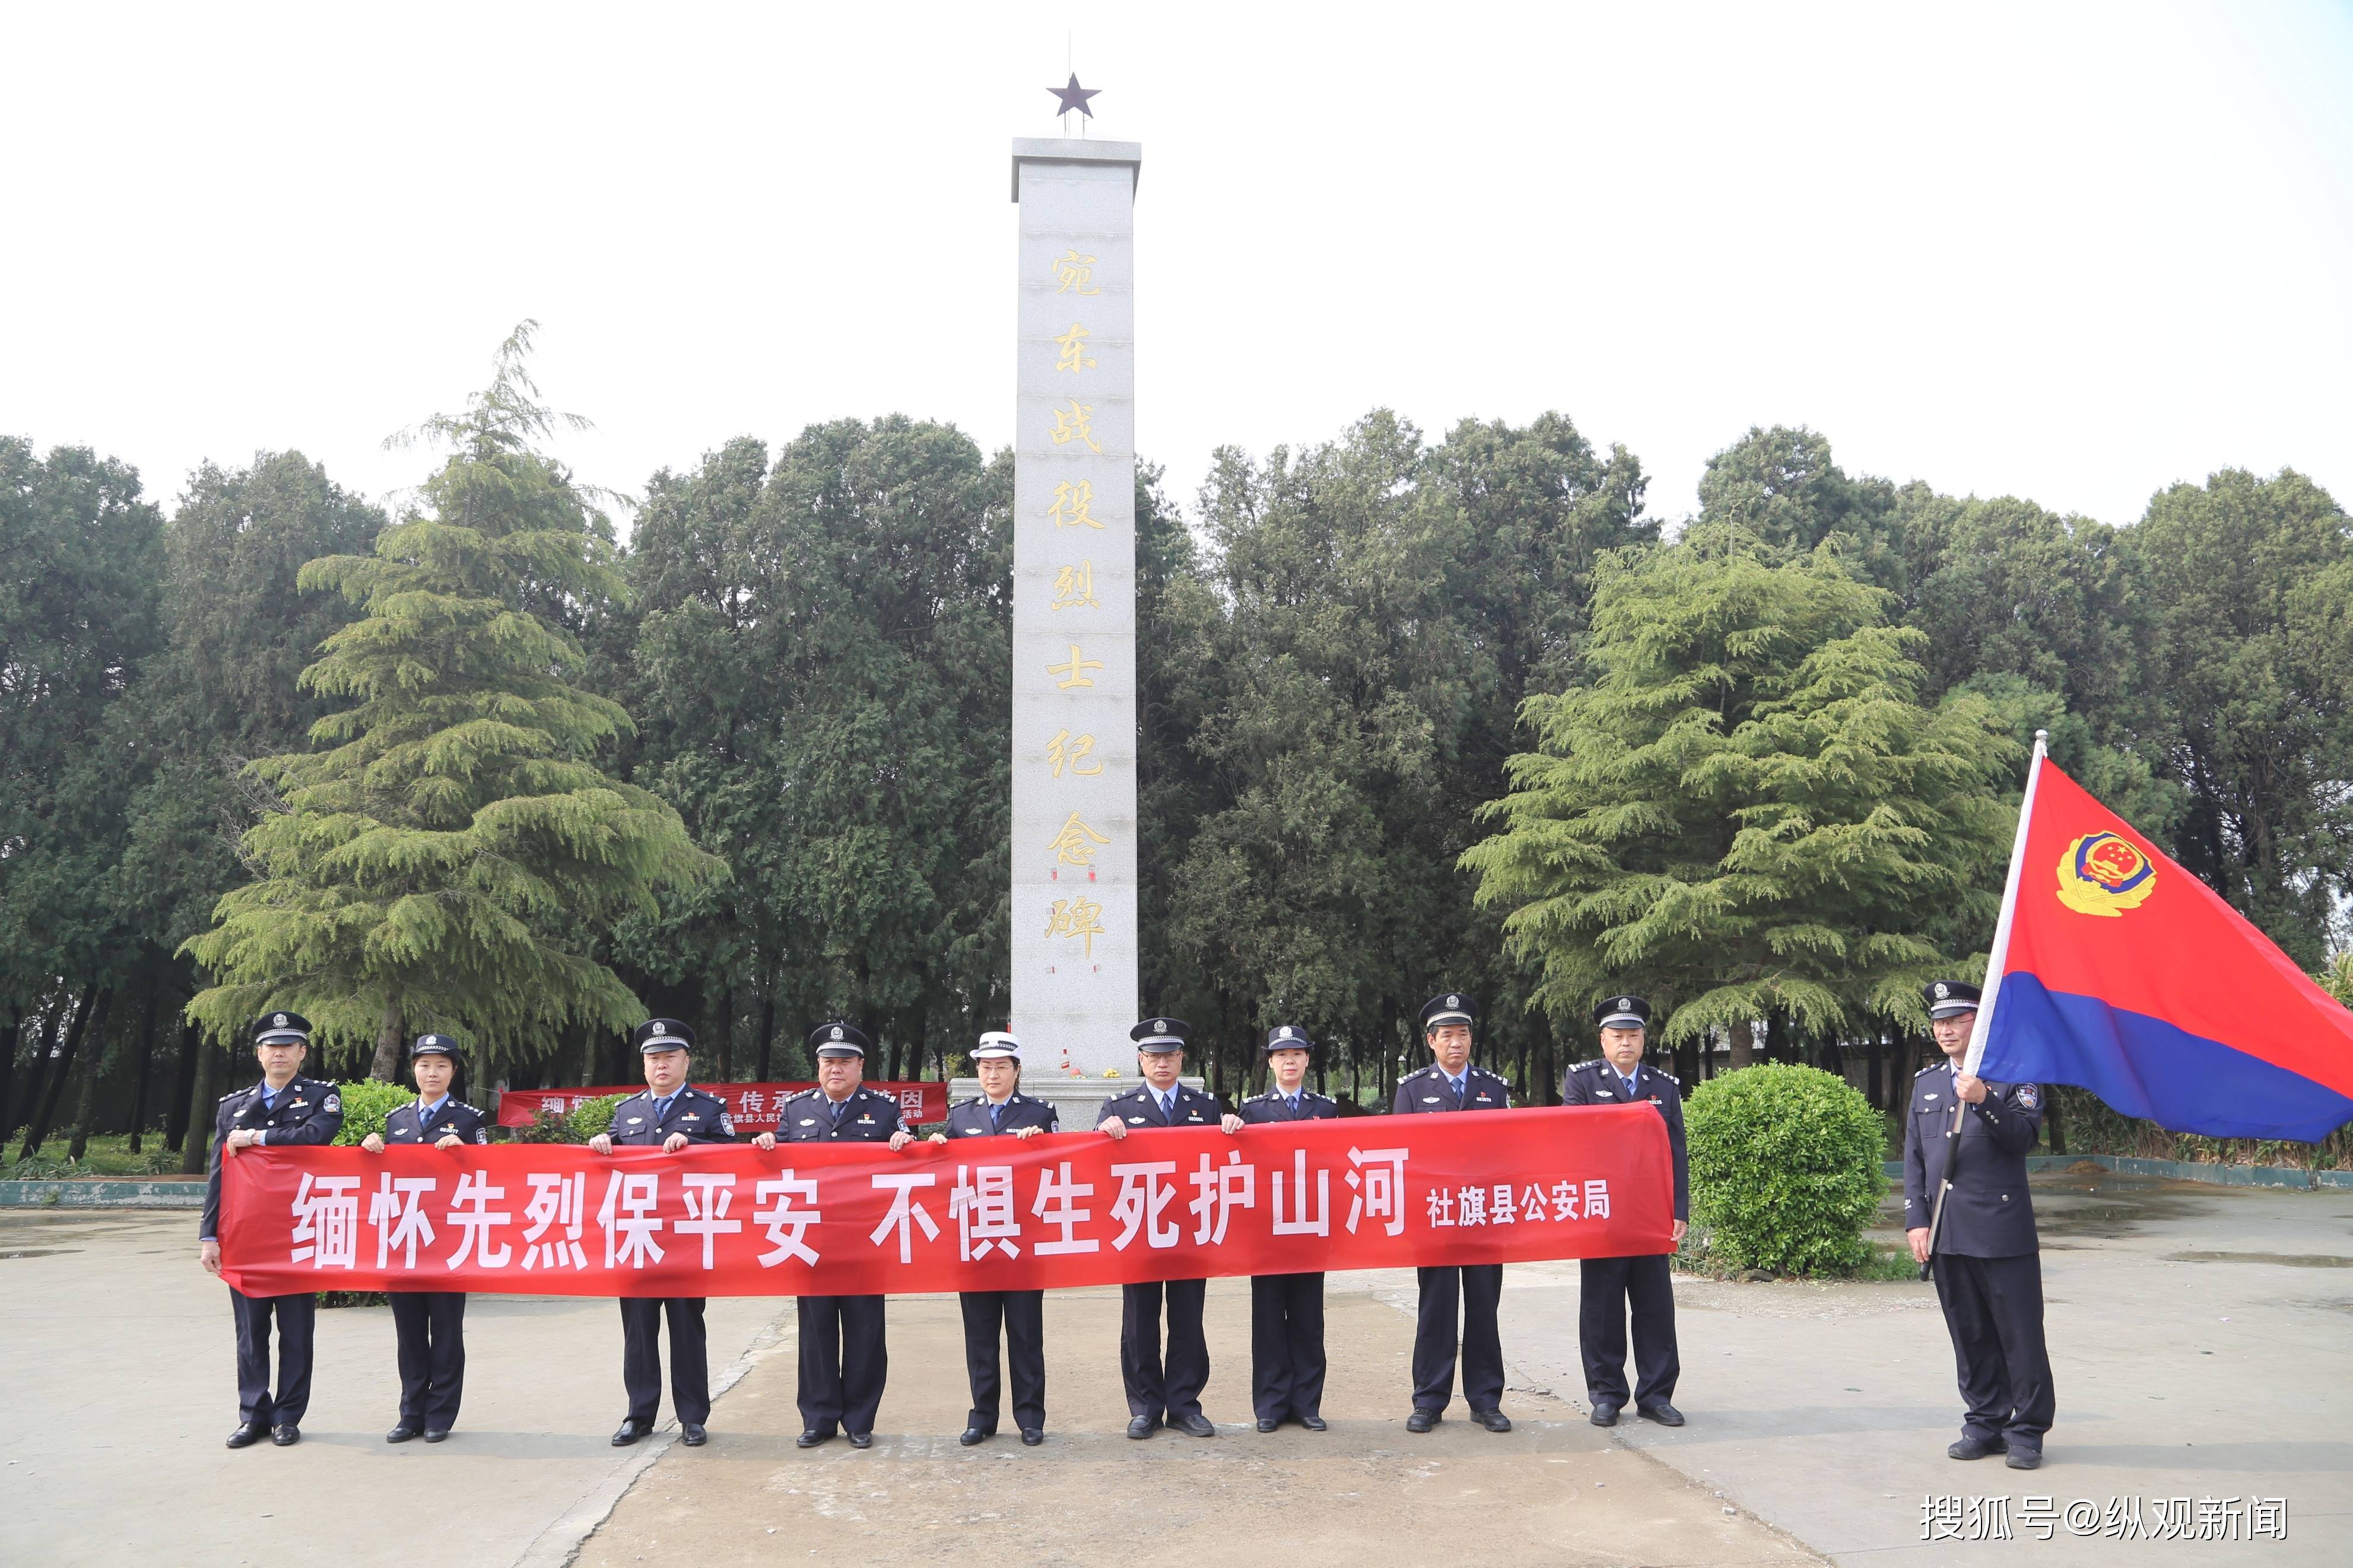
(977, 1213)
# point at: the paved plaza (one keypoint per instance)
(2198, 1336)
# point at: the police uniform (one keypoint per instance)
(1021, 1313)
(1162, 1390)
(1607, 1286)
(1467, 1295)
(431, 1325)
(306, 1110)
(844, 1357)
(1986, 1258)
(1287, 1310)
(644, 1120)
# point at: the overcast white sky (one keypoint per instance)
(2072, 252)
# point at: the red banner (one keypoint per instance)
(752, 1105)
(996, 1213)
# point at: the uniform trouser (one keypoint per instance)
(298, 1317)
(1607, 1286)
(1479, 1286)
(1993, 1307)
(1286, 1345)
(689, 1366)
(844, 1361)
(431, 1327)
(1022, 1314)
(1154, 1389)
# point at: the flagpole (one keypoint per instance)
(1999, 956)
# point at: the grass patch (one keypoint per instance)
(107, 1156)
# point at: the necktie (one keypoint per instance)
(1629, 1088)
(1458, 1083)
(1168, 1106)
(997, 1118)
(838, 1107)
(1294, 1105)
(661, 1108)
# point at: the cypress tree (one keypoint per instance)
(449, 852)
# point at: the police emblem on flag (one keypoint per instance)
(2105, 874)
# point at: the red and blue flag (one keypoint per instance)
(2116, 970)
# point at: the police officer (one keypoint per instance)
(671, 1114)
(1607, 1285)
(283, 1109)
(1286, 1309)
(1002, 1111)
(1970, 1138)
(431, 1325)
(1158, 1389)
(844, 1358)
(1451, 1083)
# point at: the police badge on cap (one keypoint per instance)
(662, 1035)
(838, 1038)
(1622, 1012)
(1949, 999)
(1451, 1008)
(1288, 1037)
(1159, 1034)
(281, 1028)
(433, 1046)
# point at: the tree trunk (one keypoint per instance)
(723, 1026)
(87, 1100)
(183, 1088)
(8, 1066)
(1875, 1055)
(385, 1068)
(2050, 1123)
(196, 1148)
(1744, 1044)
(146, 1061)
(768, 1029)
(592, 1044)
(45, 1040)
(46, 1113)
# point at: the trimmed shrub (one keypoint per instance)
(578, 1125)
(365, 1105)
(1784, 1169)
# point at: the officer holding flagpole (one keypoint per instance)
(1969, 1219)
(283, 1109)
(1609, 1286)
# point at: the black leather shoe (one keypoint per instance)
(691, 1434)
(247, 1437)
(437, 1434)
(1143, 1426)
(1975, 1447)
(1604, 1413)
(1033, 1436)
(1421, 1420)
(1194, 1426)
(971, 1436)
(2024, 1459)
(812, 1438)
(1313, 1423)
(285, 1434)
(1493, 1420)
(631, 1431)
(400, 1433)
(1664, 1413)
(861, 1440)
(1268, 1423)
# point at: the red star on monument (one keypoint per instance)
(1074, 96)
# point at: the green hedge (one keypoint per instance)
(575, 1126)
(1784, 1169)
(365, 1105)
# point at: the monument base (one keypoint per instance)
(1075, 1099)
